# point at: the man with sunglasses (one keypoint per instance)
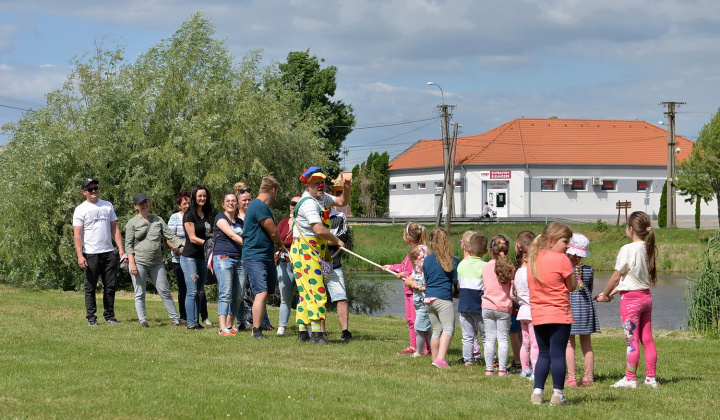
(94, 229)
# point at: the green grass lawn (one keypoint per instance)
(52, 365)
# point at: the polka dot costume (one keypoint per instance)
(304, 255)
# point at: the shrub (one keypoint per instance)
(703, 291)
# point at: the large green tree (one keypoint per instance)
(699, 176)
(315, 87)
(182, 114)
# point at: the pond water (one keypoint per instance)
(669, 306)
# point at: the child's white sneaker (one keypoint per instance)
(416, 354)
(624, 383)
(651, 382)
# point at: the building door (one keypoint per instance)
(497, 198)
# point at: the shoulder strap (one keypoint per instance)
(297, 207)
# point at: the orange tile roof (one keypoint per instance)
(553, 141)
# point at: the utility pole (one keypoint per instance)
(447, 188)
(671, 199)
(450, 191)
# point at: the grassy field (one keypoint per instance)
(677, 248)
(56, 366)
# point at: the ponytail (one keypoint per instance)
(504, 269)
(416, 232)
(639, 221)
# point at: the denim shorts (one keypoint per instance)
(262, 275)
(336, 285)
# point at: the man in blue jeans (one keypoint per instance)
(260, 237)
(94, 229)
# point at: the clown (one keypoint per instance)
(311, 236)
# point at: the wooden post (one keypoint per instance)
(622, 205)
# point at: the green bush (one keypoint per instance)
(703, 291)
(601, 226)
(662, 212)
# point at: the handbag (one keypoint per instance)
(209, 250)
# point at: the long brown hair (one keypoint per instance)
(440, 244)
(553, 231)
(504, 269)
(639, 221)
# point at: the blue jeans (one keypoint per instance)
(229, 271)
(286, 284)
(262, 275)
(195, 271)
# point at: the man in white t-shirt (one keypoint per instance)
(94, 229)
(311, 237)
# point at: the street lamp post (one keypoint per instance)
(448, 184)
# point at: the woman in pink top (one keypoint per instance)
(551, 278)
(496, 304)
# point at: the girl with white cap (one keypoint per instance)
(583, 310)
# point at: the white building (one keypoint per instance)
(575, 169)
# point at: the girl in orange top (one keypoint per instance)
(551, 278)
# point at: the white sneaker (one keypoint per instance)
(624, 383)
(281, 331)
(651, 382)
(206, 321)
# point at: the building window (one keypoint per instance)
(393, 187)
(609, 185)
(548, 184)
(421, 185)
(578, 185)
(643, 185)
(458, 183)
(438, 185)
(406, 186)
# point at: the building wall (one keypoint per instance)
(526, 196)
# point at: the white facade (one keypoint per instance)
(564, 191)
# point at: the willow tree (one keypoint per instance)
(183, 113)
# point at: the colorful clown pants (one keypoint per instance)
(305, 255)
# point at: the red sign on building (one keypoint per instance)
(499, 174)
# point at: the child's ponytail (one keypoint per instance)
(640, 223)
(522, 242)
(504, 269)
(416, 232)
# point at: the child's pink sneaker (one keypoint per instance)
(502, 373)
(489, 372)
(408, 350)
(440, 363)
(571, 382)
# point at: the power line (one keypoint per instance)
(378, 125)
(14, 107)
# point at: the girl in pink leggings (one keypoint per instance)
(634, 274)
(414, 235)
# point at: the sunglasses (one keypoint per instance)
(293, 203)
(92, 189)
(243, 191)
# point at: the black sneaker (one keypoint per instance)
(92, 322)
(346, 335)
(303, 336)
(319, 338)
(112, 321)
(257, 333)
(241, 326)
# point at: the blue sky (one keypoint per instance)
(495, 60)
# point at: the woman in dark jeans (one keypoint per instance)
(176, 226)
